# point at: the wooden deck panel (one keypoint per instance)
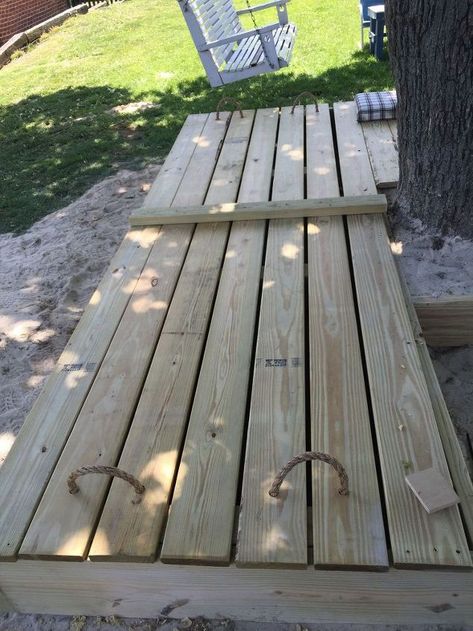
(407, 435)
(114, 393)
(208, 268)
(273, 531)
(347, 531)
(128, 531)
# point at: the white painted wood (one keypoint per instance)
(228, 52)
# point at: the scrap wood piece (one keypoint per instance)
(274, 533)
(276, 209)
(216, 425)
(432, 490)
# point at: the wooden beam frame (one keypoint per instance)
(240, 211)
(446, 321)
(304, 596)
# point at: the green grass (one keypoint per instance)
(57, 135)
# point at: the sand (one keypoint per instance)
(47, 276)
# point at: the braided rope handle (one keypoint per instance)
(113, 471)
(298, 98)
(228, 99)
(305, 457)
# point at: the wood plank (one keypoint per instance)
(202, 514)
(294, 596)
(169, 178)
(28, 466)
(273, 531)
(382, 151)
(462, 481)
(132, 531)
(240, 211)
(140, 329)
(322, 178)
(129, 530)
(447, 320)
(347, 531)
(63, 523)
(407, 435)
(355, 166)
(407, 438)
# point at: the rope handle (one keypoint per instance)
(113, 471)
(298, 98)
(228, 99)
(305, 457)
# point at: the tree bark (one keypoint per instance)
(431, 53)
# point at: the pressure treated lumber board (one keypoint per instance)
(273, 531)
(128, 531)
(263, 595)
(407, 436)
(355, 166)
(462, 481)
(202, 518)
(238, 211)
(347, 531)
(193, 135)
(446, 321)
(322, 179)
(382, 151)
(193, 532)
(63, 523)
(32, 458)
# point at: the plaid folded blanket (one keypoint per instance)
(375, 106)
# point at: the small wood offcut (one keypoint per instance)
(217, 348)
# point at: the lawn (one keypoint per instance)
(58, 134)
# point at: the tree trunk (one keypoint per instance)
(431, 53)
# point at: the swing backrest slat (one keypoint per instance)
(217, 19)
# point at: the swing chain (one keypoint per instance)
(252, 15)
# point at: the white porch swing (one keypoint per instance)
(227, 51)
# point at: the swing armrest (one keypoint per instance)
(238, 36)
(262, 7)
